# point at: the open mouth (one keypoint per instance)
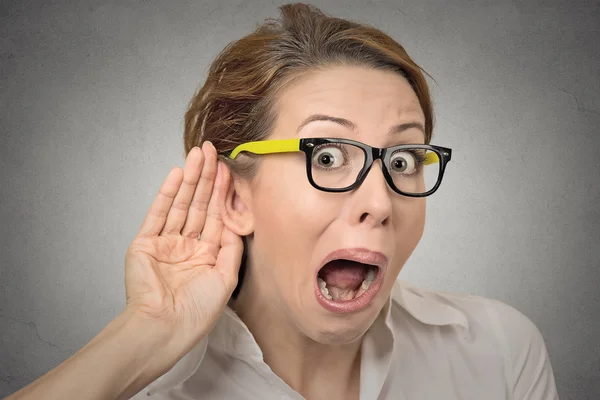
(344, 280)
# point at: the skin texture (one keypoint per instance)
(294, 226)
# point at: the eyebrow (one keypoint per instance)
(351, 125)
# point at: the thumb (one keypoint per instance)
(230, 256)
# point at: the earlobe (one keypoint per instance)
(237, 211)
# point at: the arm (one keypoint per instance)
(127, 355)
(177, 285)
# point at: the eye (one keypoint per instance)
(405, 162)
(329, 156)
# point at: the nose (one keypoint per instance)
(371, 201)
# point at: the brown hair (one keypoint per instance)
(235, 105)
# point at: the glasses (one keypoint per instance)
(341, 165)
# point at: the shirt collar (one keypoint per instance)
(232, 336)
(427, 306)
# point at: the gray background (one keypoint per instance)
(92, 101)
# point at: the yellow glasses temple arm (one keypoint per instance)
(267, 147)
(431, 158)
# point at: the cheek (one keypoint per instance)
(410, 223)
(289, 216)
(282, 195)
(286, 198)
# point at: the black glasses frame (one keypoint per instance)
(307, 145)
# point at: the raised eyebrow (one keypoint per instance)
(322, 117)
(351, 125)
(406, 126)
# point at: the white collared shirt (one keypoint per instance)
(423, 345)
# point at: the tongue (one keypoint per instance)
(343, 274)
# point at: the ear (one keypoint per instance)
(237, 208)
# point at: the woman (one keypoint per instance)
(266, 268)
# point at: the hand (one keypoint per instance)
(172, 274)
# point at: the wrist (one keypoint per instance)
(152, 342)
(138, 348)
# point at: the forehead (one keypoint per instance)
(369, 97)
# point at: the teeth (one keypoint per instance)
(323, 287)
(369, 278)
(367, 282)
(322, 283)
(370, 275)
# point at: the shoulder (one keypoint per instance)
(475, 311)
(525, 350)
(519, 341)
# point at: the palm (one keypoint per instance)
(170, 273)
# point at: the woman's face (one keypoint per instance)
(297, 228)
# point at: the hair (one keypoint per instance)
(236, 103)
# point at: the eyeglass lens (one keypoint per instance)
(338, 165)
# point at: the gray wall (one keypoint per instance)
(93, 95)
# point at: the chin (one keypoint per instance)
(341, 330)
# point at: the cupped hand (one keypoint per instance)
(183, 264)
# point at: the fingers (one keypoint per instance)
(213, 227)
(186, 200)
(181, 204)
(157, 215)
(198, 208)
(230, 255)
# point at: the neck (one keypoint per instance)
(315, 370)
